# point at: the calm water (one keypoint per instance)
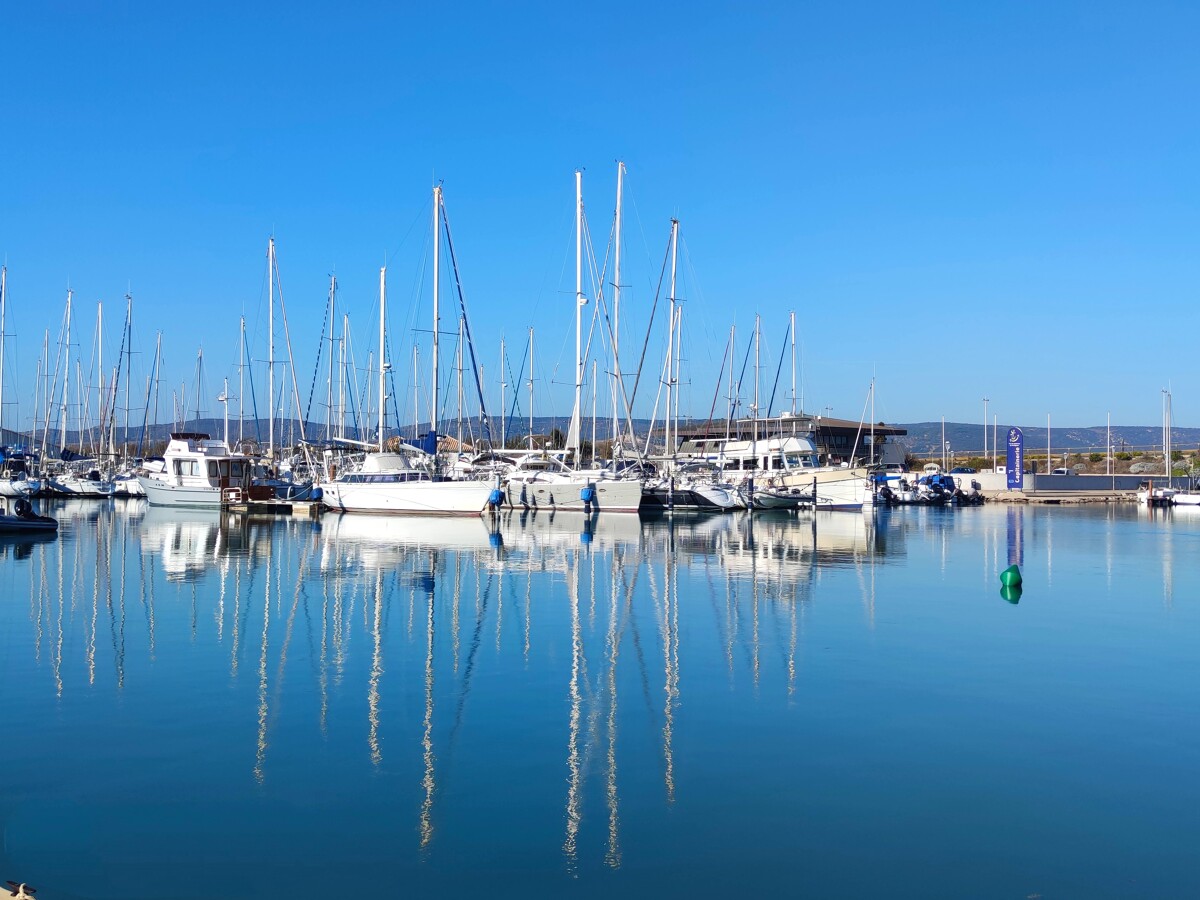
(845, 707)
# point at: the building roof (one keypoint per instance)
(801, 423)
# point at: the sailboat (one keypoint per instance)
(546, 482)
(79, 476)
(390, 481)
(790, 464)
(15, 478)
(695, 485)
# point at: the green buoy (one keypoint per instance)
(1010, 577)
(1011, 593)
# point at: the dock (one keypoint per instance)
(1061, 497)
(312, 509)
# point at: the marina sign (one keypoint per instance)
(1016, 458)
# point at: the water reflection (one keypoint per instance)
(372, 638)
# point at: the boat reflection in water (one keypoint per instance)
(546, 703)
(424, 666)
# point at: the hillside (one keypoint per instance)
(926, 437)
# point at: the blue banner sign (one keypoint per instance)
(1016, 459)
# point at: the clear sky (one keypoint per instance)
(964, 199)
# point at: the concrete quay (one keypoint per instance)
(1060, 497)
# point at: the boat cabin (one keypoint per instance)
(192, 458)
(770, 455)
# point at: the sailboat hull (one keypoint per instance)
(19, 488)
(434, 498)
(837, 489)
(609, 496)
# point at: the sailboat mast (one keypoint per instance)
(369, 388)
(128, 366)
(47, 389)
(101, 395)
(873, 424)
(341, 429)
(329, 432)
(678, 362)
(460, 383)
(199, 378)
(37, 396)
(271, 347)
(157, 373)
(503, 407)
(66, 377)
(729, 399)
(382, 322)
(616, 332)
(793, 331)
(671, 349)
(150, 383)
(1167, 434)
(573, 437)
(241, 377)
(437, 222)
(416, 395)
(531, 387)
(757, 348)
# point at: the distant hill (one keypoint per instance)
(288, 431)
(925, 438)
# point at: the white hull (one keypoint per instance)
(837, 489)
(444, 498)
(128, 487)
(81, 487)
(20, 488)
(163, 493)
(610, 496)
(774, 499)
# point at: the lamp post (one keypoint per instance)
(985, 453)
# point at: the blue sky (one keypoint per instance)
(964, 200)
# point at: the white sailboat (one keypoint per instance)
(549, 483)
(15, 478)
(389, 482)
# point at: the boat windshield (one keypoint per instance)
(800, 460)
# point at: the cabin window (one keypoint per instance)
(212, 469)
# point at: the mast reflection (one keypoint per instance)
(724, 590)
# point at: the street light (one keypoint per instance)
(985, 403)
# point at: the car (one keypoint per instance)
(1061, 471)
(962, 470)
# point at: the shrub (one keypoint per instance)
(1095, 457)
(1125, 455)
